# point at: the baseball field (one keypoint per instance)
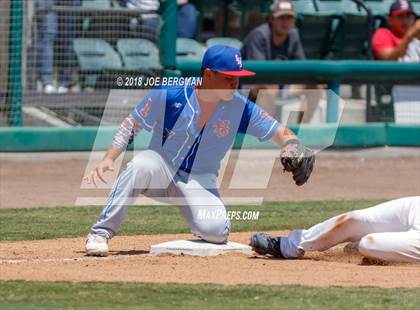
(43, 264)
(291, 115)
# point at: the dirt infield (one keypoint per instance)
(54, 180)
(64, 260)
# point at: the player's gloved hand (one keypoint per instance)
(297, 159)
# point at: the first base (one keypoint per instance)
(198, 248)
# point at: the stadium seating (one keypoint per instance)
(97, 4)
(189, 49)
(350, 36)
(224, 40)
(102, 22)
(332, 29)
(339, 7)
(416, 6)
(314, 29)
(139, 54)
(380, 9)
(94, 4)
(94, 56)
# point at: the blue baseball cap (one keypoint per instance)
(224, 59)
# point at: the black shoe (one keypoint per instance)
(263, 243)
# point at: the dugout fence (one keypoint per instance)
(96, 41)
(65, 56)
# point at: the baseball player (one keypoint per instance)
(388, 232)
(192, 130)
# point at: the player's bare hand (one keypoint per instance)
(415, 30)
(98, 173)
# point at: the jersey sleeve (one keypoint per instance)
(257, 122)
(151, 109)
(125, 135)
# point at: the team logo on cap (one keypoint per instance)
(238, 60)
(404, 5)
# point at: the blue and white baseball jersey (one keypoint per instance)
(172, 113)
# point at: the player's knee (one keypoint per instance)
(349, 218)
(367, 245)
(215, 232)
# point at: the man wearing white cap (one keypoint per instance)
(278, 39)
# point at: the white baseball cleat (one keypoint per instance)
(49, 89)
(96, 245)
(62, 90)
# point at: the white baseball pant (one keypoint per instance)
(389, 231)
(149, 174)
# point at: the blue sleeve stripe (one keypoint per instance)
(189, 124)
(271, 131)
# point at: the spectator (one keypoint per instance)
(46, 30)
(67, 27)
(278, 39)
(187, 19)
(403, 32)
(400, 42)
(149, 23)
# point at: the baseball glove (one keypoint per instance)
(297, 159)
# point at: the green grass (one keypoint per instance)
(42, 223)
(47, 223)
(42, 295)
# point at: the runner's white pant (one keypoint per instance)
(389, 231)
(148, 174)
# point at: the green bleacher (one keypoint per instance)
(329, 29)
(106, 45)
